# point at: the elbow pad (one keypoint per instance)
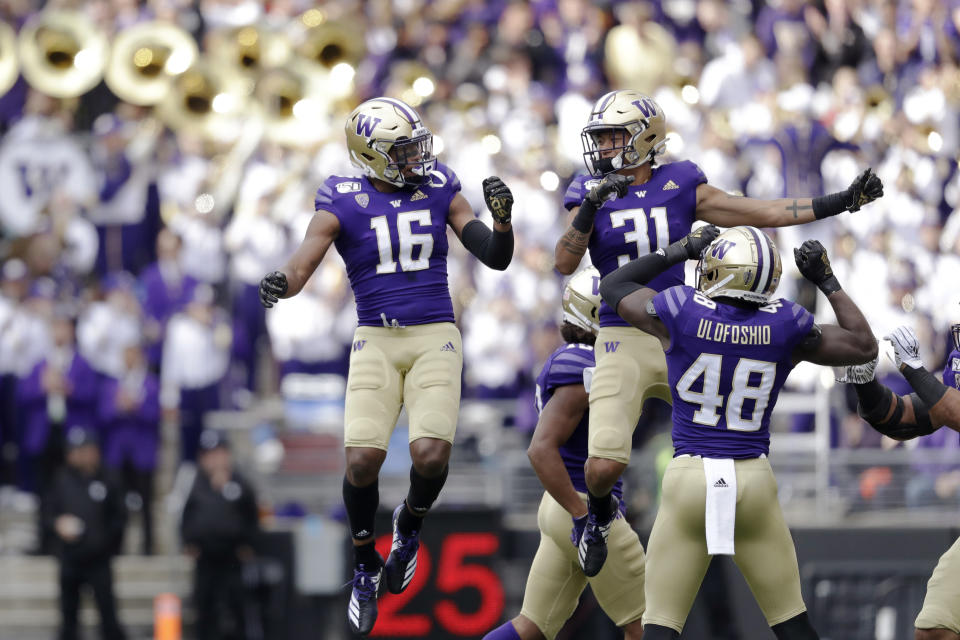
(876, 411)
(492, 248)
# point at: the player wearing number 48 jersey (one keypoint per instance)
(389, 226)
(627, 207)
(729, 349)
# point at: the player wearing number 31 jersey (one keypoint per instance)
(729, 349)
(626, 208)
(390, 228)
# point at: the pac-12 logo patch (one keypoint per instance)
(955, 364)
(363, 199)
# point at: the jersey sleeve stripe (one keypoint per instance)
(570, 358)
(681, 293)
(671, 301)
(565, 368)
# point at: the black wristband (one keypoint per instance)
(830, 285)
(583, 221)
(829, 205)
(874, 400)
(925, 384)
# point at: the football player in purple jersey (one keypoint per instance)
(390, 227)
(729, 349)
(558, 452)
(628, 206)
(932, 405)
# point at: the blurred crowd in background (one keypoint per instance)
(134, 240)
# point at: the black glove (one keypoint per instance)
(697, 241)
(498, 198)
(865, 188)
(272, 287)
(814, 265)
(611, 183)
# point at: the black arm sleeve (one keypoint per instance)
(875, 402)
(492, 248)
(635, 274)
(928, 388)
(583, 221)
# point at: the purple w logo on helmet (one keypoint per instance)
(646, 106)
(721, 247)
(366, 124)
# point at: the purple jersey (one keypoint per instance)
(951, 371)
(565, 367)
(394, 246)
(651, 216)
(726, 366)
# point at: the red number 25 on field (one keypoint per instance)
(455, 592)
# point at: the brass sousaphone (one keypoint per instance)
(9, 67)
(62, 53)
(145, 60)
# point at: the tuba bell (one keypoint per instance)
(146, 58)
(8, 57)
(294, 111)
(207, 101)
(250, 49)
(325, 43)
(62, 53)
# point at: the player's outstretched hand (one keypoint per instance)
(865, 188)
(613, 184)
(272, 287)
(698, 240)
(814, 265)
(906, 347)
(498, 198)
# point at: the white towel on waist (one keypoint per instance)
(721, 511)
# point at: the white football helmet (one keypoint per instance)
(743, 262)
(639, 131)
(388, 141)
(581, 300)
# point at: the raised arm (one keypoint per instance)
(851, 342)
(291, 278)
(625, 289)
(494, 249)
(720, 208)
(573, 243)
(558, 421)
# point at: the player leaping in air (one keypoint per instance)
(932, 405)
(557, 452)
(626, 208)
(729, 349)
(389, 226)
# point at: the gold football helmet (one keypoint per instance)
(637, 126)
(581, 300)
(388, 141)
(743, 262)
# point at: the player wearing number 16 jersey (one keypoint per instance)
(729, 349)
(389, 226)
(627, 207)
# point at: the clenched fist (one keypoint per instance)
(865, 188)
(272, 287)
(814, 265)
(499, 199)
(612, 183)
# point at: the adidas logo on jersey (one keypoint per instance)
(721, 483)
(670, 185)
(448, 347)
(418, 195)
